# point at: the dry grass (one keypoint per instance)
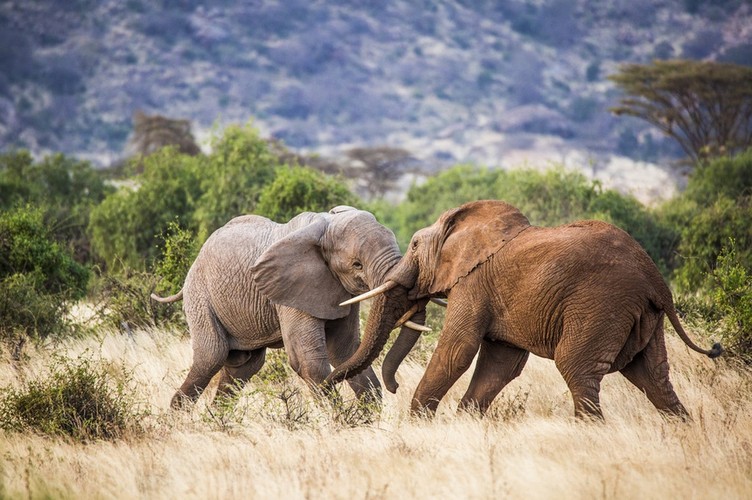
(529, 447)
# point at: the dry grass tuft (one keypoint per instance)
(274, 440)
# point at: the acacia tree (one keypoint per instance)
(705, 106)
(382, 167)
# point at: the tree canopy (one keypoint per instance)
(706, 106)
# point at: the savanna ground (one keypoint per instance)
(273, 440)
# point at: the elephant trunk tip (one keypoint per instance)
(334, 378)
(715, 351)
(391, 386)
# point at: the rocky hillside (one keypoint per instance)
(497, 83)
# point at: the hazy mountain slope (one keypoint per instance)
(492, 82)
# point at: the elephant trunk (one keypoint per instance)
(382, 266)
(386, 309)
(399, 350)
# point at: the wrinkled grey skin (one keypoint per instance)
(257, 284)
(584, 294)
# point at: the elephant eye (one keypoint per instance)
(357, 265)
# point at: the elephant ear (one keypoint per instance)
(471, 234)
(292, 272)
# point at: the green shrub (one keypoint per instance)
(125, 302)
(125, 228)
(26, 311)
(77, 399)
(38, 277)
(549, 198)
(704, 231)
(201, 192)
(716, 206)
(178, 253)
(235, 174)
(28, 247)
(276, 369)
(301, 189)
(441, 192)
(732, 295)
(724, 177)
(65, 188)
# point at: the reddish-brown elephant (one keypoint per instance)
(584, 294)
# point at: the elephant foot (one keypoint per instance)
(424, 410)
(181, 401)
(677, 411)
(588, 410)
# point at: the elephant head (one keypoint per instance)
(437, 258)
(327, 260)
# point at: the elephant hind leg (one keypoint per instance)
(585, 389)
(498, 364)
(210, 350)
(239, 368)
(648, 371)
(583, 364)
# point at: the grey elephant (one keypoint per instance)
(256, 284)
(584, 294)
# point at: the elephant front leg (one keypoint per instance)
(498, 364)
(457, 346)
(305, 343)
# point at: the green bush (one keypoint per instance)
(66, 190)
(549, 198)
(201, 192)
(180, 250)
(704, 231)
(235, 174)
(77, 399)
(301, 189)
(38, 277)
(55, 180)
(724, 177)
(125, 228)
(26, 311)
(28, 247)
(441, 192)
(732, 295)
(716, 206)
(124, 302)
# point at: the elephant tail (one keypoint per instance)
(714, 351)
(171, 298)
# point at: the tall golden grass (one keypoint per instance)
(529, 446)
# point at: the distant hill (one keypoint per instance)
(491, 82)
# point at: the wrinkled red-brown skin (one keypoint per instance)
(584, 294)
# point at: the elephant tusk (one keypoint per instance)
(406, 316)
(376, 291)
(416, 326)
(441, 302)
(405, 321)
